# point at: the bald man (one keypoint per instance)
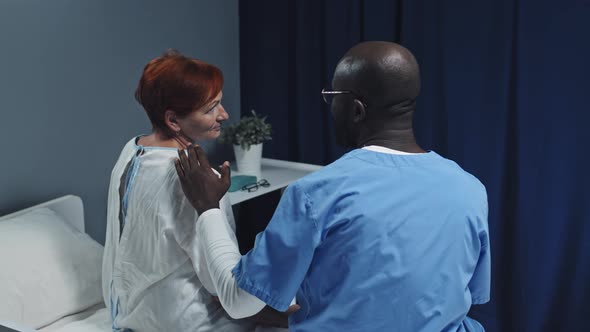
(388, 237)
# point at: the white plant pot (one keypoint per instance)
(248, 161)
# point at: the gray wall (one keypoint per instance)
(68, 70)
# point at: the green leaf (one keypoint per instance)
(250, 130)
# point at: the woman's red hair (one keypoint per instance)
(178, 83)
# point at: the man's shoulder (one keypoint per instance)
(331, 173)
(464, 178)
(464, 189)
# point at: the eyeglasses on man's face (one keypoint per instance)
(330, 94)
(254, 186)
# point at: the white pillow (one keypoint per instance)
(48, 269)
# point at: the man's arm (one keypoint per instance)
(202, 187)
(283, 253)
(221, 255)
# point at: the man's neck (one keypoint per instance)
(398, 139)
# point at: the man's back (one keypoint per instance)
(376, 242)
(400, 239)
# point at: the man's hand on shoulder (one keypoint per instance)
(202, 187)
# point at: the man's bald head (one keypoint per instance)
(381, 73)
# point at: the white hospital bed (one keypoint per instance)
(50, 270)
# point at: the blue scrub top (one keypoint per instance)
(376, 242)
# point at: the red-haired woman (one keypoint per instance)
(153, 278)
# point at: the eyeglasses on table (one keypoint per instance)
(254, 186)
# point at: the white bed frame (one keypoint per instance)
(69, 207)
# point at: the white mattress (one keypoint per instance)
(94, 319)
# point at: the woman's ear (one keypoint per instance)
(171, 120)
(360, 113)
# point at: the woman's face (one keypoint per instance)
(204, 123)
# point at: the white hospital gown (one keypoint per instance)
(150, 282)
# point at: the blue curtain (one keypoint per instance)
(505, 89)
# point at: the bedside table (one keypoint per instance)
(279, 173)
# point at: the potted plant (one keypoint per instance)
(247, 137)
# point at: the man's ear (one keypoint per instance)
(171, 120)
(360, 113)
